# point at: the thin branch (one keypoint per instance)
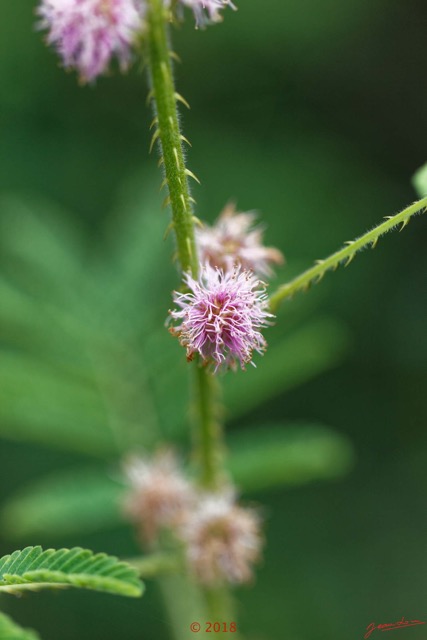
(346, 254)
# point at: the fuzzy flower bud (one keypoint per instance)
(222, 540)
(89, 33)
(232, 240)
(220, 317)
(160, 494)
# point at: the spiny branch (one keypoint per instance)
(346, 254)
(167, 133)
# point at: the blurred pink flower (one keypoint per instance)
(222, 540)
(220, 317)
(160, 494)
(232, 240)
(89, 33)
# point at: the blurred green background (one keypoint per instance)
(314, 114)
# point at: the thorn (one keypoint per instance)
(175, 56)
(161, 161)
(175, 153)
(164, 184)
(166, 202)
(168, 229)
(150, 96)
(349, 259)
(156, 135)
(388, 217)
(190, 252)
(320, 277)
(182, 198)
(404, 223)
(374, 243)
(184, 139)
(197, 222)
(319, 262)
(191, 175)
(179, 98)
(349, 242)
(335, 267)
(153, 122)
(191, 199)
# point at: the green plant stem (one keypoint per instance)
(156, 564)
(209, 447)
(220, 604)
(165, 97)
(209, 444)
(184, 604)
(345, 255)
(168, 132)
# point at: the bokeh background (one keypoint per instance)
(314, 114)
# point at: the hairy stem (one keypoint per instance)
(346, 254)
(209, 448)
(209, 435)
(167, 131)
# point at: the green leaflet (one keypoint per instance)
(64, 503)
(39, 402)
(37, 236)
(9, 630)
(34, 569)
(260, 458)
(275, 455)
(296, 358)
(419, 181)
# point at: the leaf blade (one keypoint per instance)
(34, 569)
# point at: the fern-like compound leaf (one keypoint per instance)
(34, 569)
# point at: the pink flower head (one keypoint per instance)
(223, 540)
(234, 240)
(220, 317)
(206, 11)
(88, 33)
(160, 494)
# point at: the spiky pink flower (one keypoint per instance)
(233, 239)
(220, 317)
(206, 11)
(89, 33)
(160, 495)
(222, 540)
